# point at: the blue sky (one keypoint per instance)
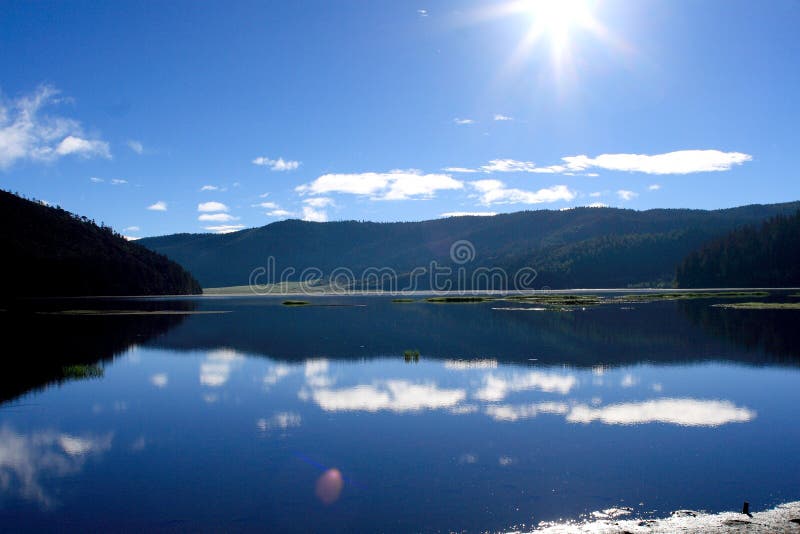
(162, 117)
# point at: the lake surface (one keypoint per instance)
(313, 419)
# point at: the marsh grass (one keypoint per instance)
(760, 306)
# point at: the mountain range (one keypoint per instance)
(573, 248)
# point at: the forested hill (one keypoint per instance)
(581, 247)
(765, 255)
(51, 252)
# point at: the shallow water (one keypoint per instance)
(312, 419)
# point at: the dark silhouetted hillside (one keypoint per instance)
(51, 252)
(765, 255)
(581, 247)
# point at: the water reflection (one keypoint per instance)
(684, 412)
(29, 460)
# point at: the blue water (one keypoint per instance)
(311, 418)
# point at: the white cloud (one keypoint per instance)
(86, 148)
(319, 202)
(626, 195)
(495, 192)
(628, 381)
(596, 194)
(96, 180)
(158, 206)
(598, 205)
(392, 185)
(118, 181)
(468, 214)
(280, 213)
(217, 217)
(422, 12)
(463, 121)
(136, 146)
(267, 205)
(501, 117)
(276, 373)
(314, 215)
(496, 387)
(224, 228)
(159, 380)
(459, 169)
(684, 412)
(678, 162)
(209, 188)
(276, 164)
(26, 134)
(131, 229)
(654, 187)
(211, 206)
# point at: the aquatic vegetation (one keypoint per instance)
(458, 300)
(82, 371)
(760, 306)
(295, 303)
(558, 300)
(411, 355)
(649, 297)
(403, 301)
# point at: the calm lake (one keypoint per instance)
(312, 418)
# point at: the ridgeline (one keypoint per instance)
(48, 251)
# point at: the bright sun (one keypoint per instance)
(558, 23)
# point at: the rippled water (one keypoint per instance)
(313, 418)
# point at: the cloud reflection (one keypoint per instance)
(394, 395)
(507, 412)
(216, 369)
(496, 387)
(684, 412)
(28, 459)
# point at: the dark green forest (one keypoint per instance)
(580, 247)
(48, 251)
(765, 255)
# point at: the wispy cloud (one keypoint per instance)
(495, 192)
(392, 185)
(678, 162)
(136, 146)
(217, 217)
(468, 214)
(654, 187)
(267, 205)
(118, 181)
(211, 206)
(158, 206)
(276, 164)
(209, 188)
(319, 202)
(314, 215)
(422, 12)
(96, 180)
(224, 228)
(459, 169)
(131, 229)
(280, 213)
(462, 122)
(501, 117)
(26, 134)
(626, 195)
